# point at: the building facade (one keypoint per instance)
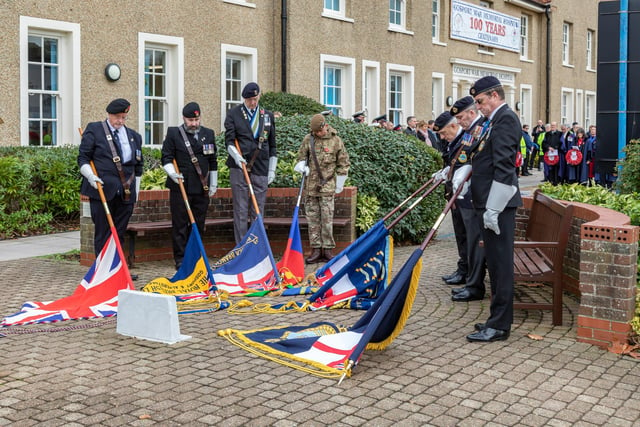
(65, 60)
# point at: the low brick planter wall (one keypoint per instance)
(153, 205)
(600, 267)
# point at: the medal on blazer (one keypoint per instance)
(462, 158)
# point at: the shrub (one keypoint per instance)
(629, 179)
(289, 104)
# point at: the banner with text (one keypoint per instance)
(484, 26)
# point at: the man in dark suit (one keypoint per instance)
(193, 147)
(255, 131)
(552, 141)
(495, 195)
(116, 152)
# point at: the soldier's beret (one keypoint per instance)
(358, 114)
(191, 110)
(461, 105)
(317, 122)
(442, 120)
(118, 106)
(382, 118)
(484, 84)
(250, 90)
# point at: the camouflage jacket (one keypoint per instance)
(333, 160)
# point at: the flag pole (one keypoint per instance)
(414, 204)
(114, 232)
(193, 224)
(405, 201)
(246, 177)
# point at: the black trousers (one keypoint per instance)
(120, 215)
(461, 241)
(477, 266)
(180, 222)
(498, 251)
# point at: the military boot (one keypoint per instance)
(327, 254)
(314, 257)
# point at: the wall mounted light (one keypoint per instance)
(112, 72)
(449, 101)
(518, 105)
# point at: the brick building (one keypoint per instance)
(400, 58)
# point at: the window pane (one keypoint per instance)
(158, 109)
(51, 51)
(34, 133)
(48, 106)
(50, 77)
(159, 85)
(35, 49)
(34, 106)
(35, 76)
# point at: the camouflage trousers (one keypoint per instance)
(319, 212)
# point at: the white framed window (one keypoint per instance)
(524, 37)
(49, 82)
(371, 88)
(525, 104)
(589, 109)
(239, 66)
(566, 105)
(400, 81)
(488, 50)
(337, 84)
(590, 54)
(161, 85)
(566, 43)
(397, 15)
(437, 94)
(435, 20)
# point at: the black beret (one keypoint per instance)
(442, 120)
(461, 105)
(382, 118)
(118, 106)
(191, 110)
(358, 114)
(484, 84)
(250, 90)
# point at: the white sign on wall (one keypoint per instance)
(480, 25)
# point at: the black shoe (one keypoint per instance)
(456, 291)
(134, 277)
(479, 326)
(488, 335)
(458, 279)
(449, 276)
(466, 295)
(315, 256)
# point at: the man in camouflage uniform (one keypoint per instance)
(324, 159)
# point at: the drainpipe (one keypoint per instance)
(283, 47)
(622, 89)
(547, 12)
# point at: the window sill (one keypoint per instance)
(568, 65)
(241, 3)
(530, 61)
(591, 70)
(438, 43)
(486, 52)
(400, 30)
(337, 17)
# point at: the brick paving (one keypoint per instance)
(74, 374)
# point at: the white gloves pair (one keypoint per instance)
(302, 168)
(460, 177)
(271, 175)
(213, 182)
(93, 179)
(176, 177)
(340, 180)
(499, 196)
(239, 159)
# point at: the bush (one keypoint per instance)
(289, 104)
(629, 180)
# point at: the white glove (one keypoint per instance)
(441, 174)
(93, 179)
(490, 219)
(138, 182)
(302, 168)
(465, 188)
(460, 177)
(340, 180)
(271, 175)
(499, 196)
(233, 152)
(171, 171)
(213, 182)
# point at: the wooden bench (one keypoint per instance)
(139, 228)
(540, 256)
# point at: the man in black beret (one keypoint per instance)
(116, 152)
(467, 115)
(495, 195)
(193, 147)
(253, 129)
(359, 117)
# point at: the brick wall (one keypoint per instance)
(600, 266)
(153, 205)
